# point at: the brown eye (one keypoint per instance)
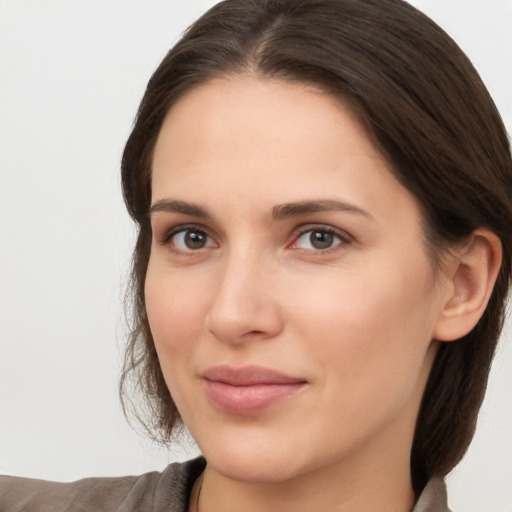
(191, 240)
(321, 239)
(194, 240)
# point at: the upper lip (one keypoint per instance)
(249, 376)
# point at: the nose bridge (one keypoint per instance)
(242, 306)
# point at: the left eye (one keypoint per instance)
(191, 240)
(318, 240)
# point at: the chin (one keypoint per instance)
(251, 461)
(255, 469)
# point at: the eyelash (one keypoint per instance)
(345, 238)
(169, 234)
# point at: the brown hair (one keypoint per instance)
(424, 105)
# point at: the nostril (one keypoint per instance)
(253, 334)
(241, 313)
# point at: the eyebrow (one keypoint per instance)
(287, 210)
(174, 206)
(279, 212)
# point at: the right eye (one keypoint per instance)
(189, 239)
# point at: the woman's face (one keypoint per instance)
(289, 292)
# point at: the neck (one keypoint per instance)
(372, 486)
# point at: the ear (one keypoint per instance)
(472, 273)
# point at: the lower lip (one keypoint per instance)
(245, 400)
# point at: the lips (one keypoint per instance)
(249, 389)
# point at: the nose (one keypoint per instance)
(244, 306)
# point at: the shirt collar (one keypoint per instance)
(433, 498)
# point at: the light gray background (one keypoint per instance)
(71, 75)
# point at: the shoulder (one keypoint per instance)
(27, 494)
(167, 491)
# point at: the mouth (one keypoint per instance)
(249, 389)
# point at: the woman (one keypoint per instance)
(323, 190)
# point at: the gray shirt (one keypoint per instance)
(168, 491)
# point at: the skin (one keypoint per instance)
(355, 320)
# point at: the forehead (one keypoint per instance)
(248, 118)
(277, 140)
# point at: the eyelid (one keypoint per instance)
(166, 236)
(345, 237)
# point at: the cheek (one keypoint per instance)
(370, 332)
(175, 314)
(176, 317)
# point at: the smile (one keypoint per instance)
(250, 389)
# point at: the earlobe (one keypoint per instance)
(473, 273)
